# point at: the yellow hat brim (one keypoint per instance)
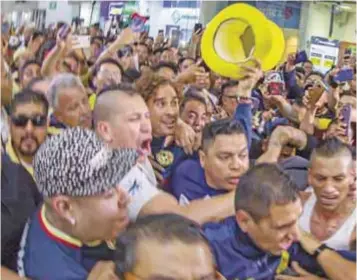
(225, 53)
(276, 52)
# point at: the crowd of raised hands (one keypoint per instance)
(248, 179)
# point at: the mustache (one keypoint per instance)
(29, 136)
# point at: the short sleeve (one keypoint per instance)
(140, 189)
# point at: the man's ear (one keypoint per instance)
(243, 219)
(105, 132)
(202, 157)
(62, 205)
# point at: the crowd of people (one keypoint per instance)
(133, 160)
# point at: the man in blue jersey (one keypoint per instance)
(85, 208)
(223, 159)
(263, 241)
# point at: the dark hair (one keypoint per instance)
(307, 61)
(300, 70)
(220, 127)
(37, 34)
(96, 38)
(329, 148)
(145, 45)
(27, 96)
(108, 61)
(163, 228)
(193, 95)
(163, 64)
(182, 59)
(230, 83)
(25, 65)
(159, 50)
(149, 82)
(262, 186)
(316, 73)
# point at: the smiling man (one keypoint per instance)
(330, 213)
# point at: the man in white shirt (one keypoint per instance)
(330, 212)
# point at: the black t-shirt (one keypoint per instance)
(19, 200)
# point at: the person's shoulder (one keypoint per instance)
(189, 167)
(38, 247)
(222, 231)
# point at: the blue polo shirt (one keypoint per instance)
(168, 157)
(239, 258)
(189, 183)
(47, 253)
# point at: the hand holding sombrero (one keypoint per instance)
(238, 34)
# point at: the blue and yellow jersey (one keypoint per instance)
(238, 257)
(48, 253)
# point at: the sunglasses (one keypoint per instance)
(22, 120)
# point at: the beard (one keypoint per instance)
(25, 151)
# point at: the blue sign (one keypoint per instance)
(285, 14)
(181, 4)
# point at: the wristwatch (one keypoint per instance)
(319, 250)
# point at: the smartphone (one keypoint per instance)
(344, 75)
(5, 28)
(315, 94)
(345, 113)
(275, 88)
(198, 26)
(138, 23)
(83, 42)
(301, 57)
(175, 38)
(64, 31)
(161, 32)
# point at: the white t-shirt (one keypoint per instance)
(141, 185)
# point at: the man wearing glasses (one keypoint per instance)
(28, 127)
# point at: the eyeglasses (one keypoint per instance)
(22, 120)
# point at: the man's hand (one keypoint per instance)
(126, 37)
(196, 36)
(189, 75)
(307, 241)
(251, 76)
(103, 270)
(304, 275)
(184, 137)
(284, 135)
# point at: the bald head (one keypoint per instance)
(111, 102)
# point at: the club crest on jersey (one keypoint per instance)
(165, 158)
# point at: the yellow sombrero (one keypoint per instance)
(237, 34)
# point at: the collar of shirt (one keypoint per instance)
(65, 238)
(55, 123)
(10, 151)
